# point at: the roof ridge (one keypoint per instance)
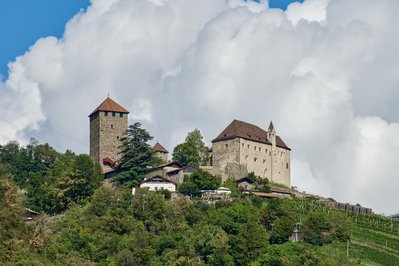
(245, 130)
(111, 106)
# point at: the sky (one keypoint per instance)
(325, 72)
(25, 21)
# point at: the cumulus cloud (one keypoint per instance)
(324, 71)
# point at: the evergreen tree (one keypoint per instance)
(137, 156)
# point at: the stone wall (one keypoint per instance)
(162, 155)
(281, 166)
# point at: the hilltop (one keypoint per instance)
(54, 210)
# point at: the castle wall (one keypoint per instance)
(237, 157)
(95, 138)
(105, 136)
(257, 157)
(226, 159)
(281, 166)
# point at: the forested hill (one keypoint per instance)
(95, 225)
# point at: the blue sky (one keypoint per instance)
(22, 22)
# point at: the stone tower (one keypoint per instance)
(108, 124)
(160, 152)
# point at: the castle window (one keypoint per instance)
(242, 145)
(248, 146)
(266, 150)
(255, 159)
(264, 160)
(286, 165)
(105, 113)
(255, 148)
(120, 114)
(260, 149)
(270, 153)
(113, 114)
(112, 126)
(117, 137)
(226, 146)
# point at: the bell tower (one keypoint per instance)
(108, 124)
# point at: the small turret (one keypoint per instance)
(160, 152)
(271, 134)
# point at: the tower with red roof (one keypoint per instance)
(108, 124)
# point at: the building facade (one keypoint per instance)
(158, 183)
(108, 124)
(242, 148)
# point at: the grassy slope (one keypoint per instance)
(374, 241)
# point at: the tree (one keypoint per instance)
(261, 184)
(72, 179)
(11, 218)
(137, 156)
(250, 243)
(282, 229)
(197, 181)
(314, 226)
(192, 151)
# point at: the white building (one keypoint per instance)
(158, 183)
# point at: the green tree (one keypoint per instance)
(250, 242)
(71, 180)
(137, 156)
(261, 184)
(282, 229)
(192, 151)
(314, 226)
(11, 210)
(341, 226)
(197, 181)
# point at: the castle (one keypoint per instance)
(242, 148)
(239, 149)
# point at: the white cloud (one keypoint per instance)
(324, 71)
(310, 10)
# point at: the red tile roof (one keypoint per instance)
(110, 106)
(159, 147)
(240, 129)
